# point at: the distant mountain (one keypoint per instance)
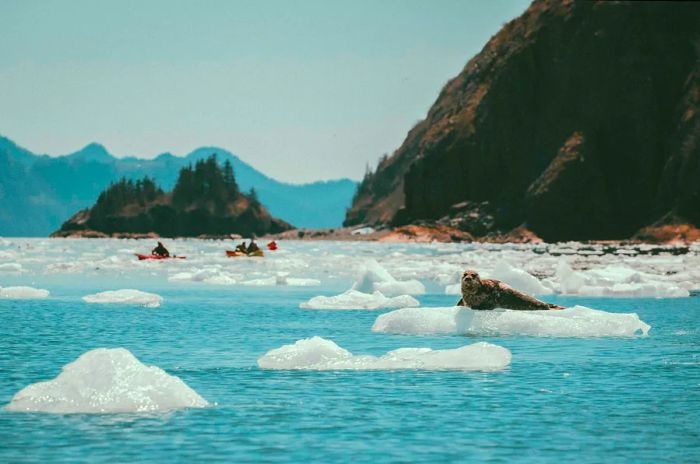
(39, 192)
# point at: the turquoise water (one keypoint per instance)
(589, 399)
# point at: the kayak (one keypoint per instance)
(236, 253)
(142, 257)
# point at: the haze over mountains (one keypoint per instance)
(39, 192)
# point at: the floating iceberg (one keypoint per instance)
(125, 296)
(23, 293)
(615, 281)
(519, 279)
(375, 278)
(317, 353)
(107, 381)
(352, 299)
(578, 321)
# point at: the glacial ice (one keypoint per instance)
(107, 381)
(11, 267)
(317, 353)
(519, 279)
(615, 281)
(374, 277)
(126, 296)
(352, 299)
(577, 321)
(23, 293)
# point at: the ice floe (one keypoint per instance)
(23, 293)
(577, 321)
(616, 281)
(352, 299)
(317, 353)
(11, 267)
(125, 296)
(374, 277)
(107, 381)
(519, 279)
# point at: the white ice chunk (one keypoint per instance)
(317, 353)
(374, 277)
(578, 321)
(363, 231)
(519, 279)
(352, 299)
(107, 381)
(125, 296)
(453, 289)
(10, 267)
(23, 293)
(615, 281)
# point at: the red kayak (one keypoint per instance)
(142, 257)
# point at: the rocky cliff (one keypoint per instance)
(578, 119)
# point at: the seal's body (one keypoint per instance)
(486, 294)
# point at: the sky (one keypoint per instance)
(303, 90)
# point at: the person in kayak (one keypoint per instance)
(253, 247)
(161, 251)
(241, 247)
(272, 246)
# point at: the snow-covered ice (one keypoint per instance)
(352, 299)
(578, 321)
(125, 296)
(107, 381)
(23, 293)
(317, 353)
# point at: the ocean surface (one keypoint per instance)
(589, 399)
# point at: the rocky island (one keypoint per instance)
(206, 200)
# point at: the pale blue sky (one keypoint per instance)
(302, 90)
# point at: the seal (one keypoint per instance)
(486, 294)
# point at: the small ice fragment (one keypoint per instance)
(125, 296)
(352, 299)
(23, 293)
(10, 267)
(519, 279)
(374, 277)
(107, 381)
(317, 353)
(363, 231)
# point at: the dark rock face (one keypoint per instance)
(578, 119)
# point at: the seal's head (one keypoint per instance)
(470, 282)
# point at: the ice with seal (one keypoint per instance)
(317, 353)
(352, 299)
(125, 296)
(107, 380)
(577, 321)
(23, 293)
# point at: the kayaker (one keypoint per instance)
(161, 251)
(242, 248)
(272, 246)
(253, 247)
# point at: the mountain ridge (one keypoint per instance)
(43, 190)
